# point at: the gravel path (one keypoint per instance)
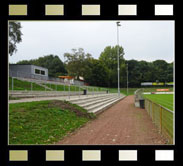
(121, 124)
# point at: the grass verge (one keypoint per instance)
(44, 122)
(24, 85)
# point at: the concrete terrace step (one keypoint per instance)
(96, 104)
(101, 108)
(91, 99)
(84, 98)
(96, 101)
(91, 107)
(41, 94)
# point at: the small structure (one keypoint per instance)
(73, 80)
(67, 79)
(80, 81)
(28, 71)
(138, 99)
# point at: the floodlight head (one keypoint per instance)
(118, 23)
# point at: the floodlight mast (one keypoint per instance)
(118, 24)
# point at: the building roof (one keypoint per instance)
(68, 77)
(27, 65)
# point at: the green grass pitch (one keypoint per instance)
(166, 100)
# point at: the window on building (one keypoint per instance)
(42, 72)
(37, 71)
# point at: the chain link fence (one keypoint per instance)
(163, 118)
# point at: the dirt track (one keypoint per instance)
(121, 124)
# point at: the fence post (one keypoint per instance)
(12, 84)
(152, 111)
(161, 119)
(31, 86)
(87, 91)
(69, 91)
(79, 91)
(149, 108)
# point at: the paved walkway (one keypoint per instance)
(121, 124)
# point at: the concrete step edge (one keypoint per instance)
(91, 100)
(99, 104)
(102, 108)
(94, 102)
(86, 98)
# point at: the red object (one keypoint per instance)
(68, 77)
(162, 90)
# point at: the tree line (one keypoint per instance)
(103, 71)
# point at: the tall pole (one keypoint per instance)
(118, 24)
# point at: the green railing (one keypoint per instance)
(163, 118)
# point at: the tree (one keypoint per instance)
(15, 36)
(142, 71)
(76, 62)
(97, 75)
(134, 73)
(109, 58)
(160, 68)
(170, 72)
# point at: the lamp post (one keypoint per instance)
(118, 24)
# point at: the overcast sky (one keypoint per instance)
(141, 40)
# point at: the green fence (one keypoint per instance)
(163, 118)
